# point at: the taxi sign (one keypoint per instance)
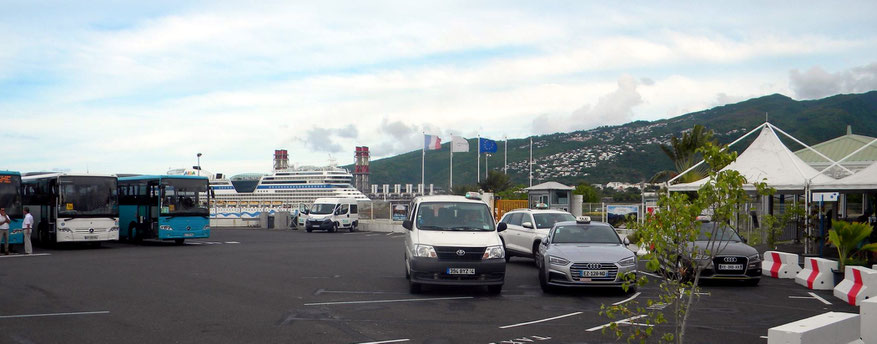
(583, 219)
(473, 195)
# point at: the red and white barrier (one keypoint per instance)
(859, 283)
(780, 265)
(868, 315)
(817, 274)
(826, 328)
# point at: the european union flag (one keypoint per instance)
(487, 145)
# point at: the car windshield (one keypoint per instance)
(460, 216)
(10, 196)
(322, 209)
(183, 197)
(723, 233)
(581, 234)
(88, 196)
(548, 220)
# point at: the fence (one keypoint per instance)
(505, 205)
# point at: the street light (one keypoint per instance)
(199, 163)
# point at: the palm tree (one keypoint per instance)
(683, 152)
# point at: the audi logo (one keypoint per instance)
(461, 253)
(593, 266)
(730, 259)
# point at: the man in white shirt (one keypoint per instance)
(4, 230)
(27, 225)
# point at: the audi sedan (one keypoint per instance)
(732, 258)
(582, 253)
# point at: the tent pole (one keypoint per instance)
(723, 149)
(808, 147)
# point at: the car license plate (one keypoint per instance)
(461, 271)
(730, 266)
(189, 234)
(594, 273)
(90, 237)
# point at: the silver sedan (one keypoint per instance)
(584, 254)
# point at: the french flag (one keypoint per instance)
(432, 142)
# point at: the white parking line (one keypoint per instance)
(387, 301)
(651, 274)
(25, 255)
(820, 299)
(627, 299)
(51, 314)
(387, 341)
(543, 320)
(390, 233)
(232, 242)
(622, 321)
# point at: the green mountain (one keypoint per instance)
(630, 152)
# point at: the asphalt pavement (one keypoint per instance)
(282, 286)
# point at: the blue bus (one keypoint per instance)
(10, 198)
(163, 207)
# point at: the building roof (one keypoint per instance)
(549, 186)
(865, 179)
(839, 147)
(767, 159)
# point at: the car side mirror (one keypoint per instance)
(744, 239)
(406, 224)
(527, 224)
(626, 241)
(544, 241)
(305, 211)
(501, 227)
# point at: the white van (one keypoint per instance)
(332, 214)
(453, 240)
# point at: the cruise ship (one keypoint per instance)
(249, 194)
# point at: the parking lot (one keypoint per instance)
(261, 286)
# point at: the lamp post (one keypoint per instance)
(199, 163)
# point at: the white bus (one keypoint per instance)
(71, 207)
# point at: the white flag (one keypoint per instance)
(459, 144)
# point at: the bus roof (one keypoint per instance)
(10, 173)
(39, 175)
(161, 176)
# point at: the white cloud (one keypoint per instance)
(818, 83)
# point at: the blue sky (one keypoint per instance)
(140, 87)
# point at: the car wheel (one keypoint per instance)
(494, 289)
(543, 283)
(308, 229)
(535, 253)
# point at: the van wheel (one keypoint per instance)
(494, 289)
(333, 228)
(414, 288)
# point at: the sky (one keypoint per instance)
(141, 87)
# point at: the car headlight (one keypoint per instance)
(626, 262)
(206, 228)
(165, 228)
(754, 260)
(425, 251)
(557, 261)
(493, 252)
(114, 229)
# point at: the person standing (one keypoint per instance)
(26, 226)
(4, 230)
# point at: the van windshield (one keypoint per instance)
(322, 209)
(458, 216)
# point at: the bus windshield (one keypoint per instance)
(88, 196)
(183, 197)
(10, 195)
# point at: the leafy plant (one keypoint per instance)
(774, 224)
(846, 237)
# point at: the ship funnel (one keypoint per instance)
(281, 160)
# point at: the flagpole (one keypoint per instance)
(423, 163)
(451, 182)
(486, 158)
(478, 158)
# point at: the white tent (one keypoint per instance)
(865, 179)
(768, 160)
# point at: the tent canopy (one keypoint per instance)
(865, 179)
(768, 160)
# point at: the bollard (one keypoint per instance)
(826, 328)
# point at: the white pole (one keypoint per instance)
(451, 182)
(478, 158)
(422, 162)
(531, 161)
(486, 158)
(505, 162)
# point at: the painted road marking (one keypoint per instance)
(388, 301)
(51, 314)
(622, 321)
(25, 255)
(232, 242)
(820, 298)
(627, 299)
(764, 337)
(387, 341)
(542, 320)
(651, 274)
(521, 340)
(324, 291)
(657, 306)
(194, 243)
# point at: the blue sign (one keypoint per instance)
(487, 145)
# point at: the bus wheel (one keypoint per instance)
(179, 241)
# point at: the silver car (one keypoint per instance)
(582, 253)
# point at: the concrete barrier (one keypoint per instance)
(859, 283)
(868, 313)
(780, 265)
(826, 328)
(381, 226)
(817, 274)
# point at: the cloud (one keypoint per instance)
(818, 83)
(613, 108)
(324, 139)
